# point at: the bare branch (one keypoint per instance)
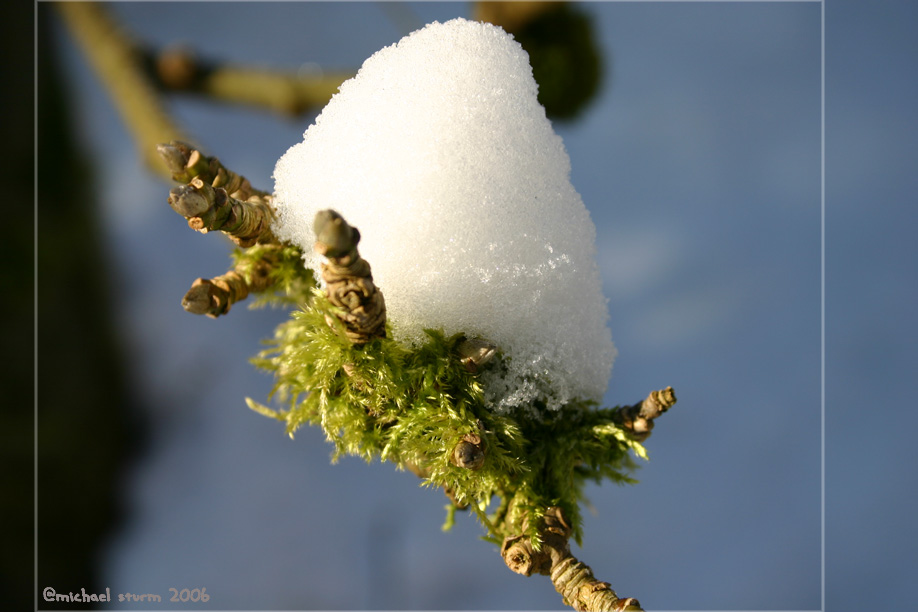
(216, 198)
(186, 163)
(215, 297)
(285, 92)
(572, 579)
(208, 209)
(119, 64)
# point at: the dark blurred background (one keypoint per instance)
(696, 145)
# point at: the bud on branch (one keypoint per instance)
(572, 579)
(348, 279)
(638, 419)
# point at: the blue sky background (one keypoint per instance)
(700, 163)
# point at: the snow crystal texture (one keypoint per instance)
(438, 151)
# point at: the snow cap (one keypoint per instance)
(440, 154)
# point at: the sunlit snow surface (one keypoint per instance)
(439, 152)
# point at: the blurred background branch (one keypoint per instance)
(138, 77)
(557, 35)
(178, 69)
(120, 65)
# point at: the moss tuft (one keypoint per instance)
(412, 405)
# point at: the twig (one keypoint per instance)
(638, 419)
(136, 77)
(120, 66)
(185, 163)
(572, 579)
(215, 297)
(208, 209)
(348, 279)
(284, 92)
(216, 198)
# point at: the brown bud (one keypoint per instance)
(629, 604)
(173, 156)
(469, 453)
(665, 399)
(334, 237)
(520, 557)
(517, 555)
(177, 68)
(556, 523)
(475, 352)
(207, 297)
(199, 299)
(188, 201)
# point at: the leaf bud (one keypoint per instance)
(469, 453)
(475, 352)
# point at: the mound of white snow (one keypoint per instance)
(438, 151)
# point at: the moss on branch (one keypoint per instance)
(256, 270)
(423, 408)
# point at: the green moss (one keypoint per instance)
(291, 282)
(412, 405)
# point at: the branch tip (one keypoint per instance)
(334, 237)
(188, 201)
(348, 279)
(172, 156)
(215, 297)
(639, 418)
(572, 579)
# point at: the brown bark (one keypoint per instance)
(214, 297)
(245, 222)
(572, 579)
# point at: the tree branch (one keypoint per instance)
(119, 64)
(208, 209)
(572, 579)
(215, 297)
(185, 163)
(216, 198)
(136, 77)
(287, 93)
